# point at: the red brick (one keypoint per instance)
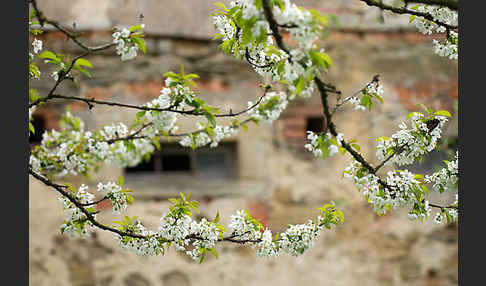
(259, 211)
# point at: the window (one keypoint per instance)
(315, 124)
(173, 159)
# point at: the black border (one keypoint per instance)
(14, 115)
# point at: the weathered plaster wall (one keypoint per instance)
(278, 181)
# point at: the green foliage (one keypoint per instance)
(331, 215)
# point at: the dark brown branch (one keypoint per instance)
(274, 27)
(339, 104)
(91, 101)
(451, 4)
(250, 61)
(90, 217)
(397, 10)
(442, 207)
(95, 203)
(74, 37)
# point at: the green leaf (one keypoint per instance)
(300, 85)
(31, 128)
(217, 36)
(442, 113)
(83, 62)
(33, 94)
(48, 55)
(213, 251)
(366, 101)
(83, 71)
(210, 117)
(319, 17)
(222, 6)
(216, 219)
(120, 180)
(140, 43)
(135, 28)
(342, 150)
(320, 59)
(356, 146)
(140, 114)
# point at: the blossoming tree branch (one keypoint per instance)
(249, 30)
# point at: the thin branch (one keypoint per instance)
(74, 37)
(397, 10)
(274, 27)
(91, 101)
(339, 104)
(95, 203)
(451, 4)
(90, 217)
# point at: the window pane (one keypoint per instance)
(176, 162)
(142, 167)
(315, 124)
(211, 164)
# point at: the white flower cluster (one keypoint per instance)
(116, 195)
(113, 131)
(447, 178)
(298, 238)
(448, 48)
(208, 235)
(165, 121)
(36, 46)
(449, 213)
(294, 241)
(403, 189)
(244, 227)
(318, 143)
(409, 144)
(201, 138)
(35, 164)
(267, 247)
(149, 246)
(220, 133)
(223, 24)
(374, 89)
(179, 230)
(369, 186)
(125, 48)
(74, 151)
(305, 31)
(76, 222)
(270, 107)
(264, 57)
(175, 228)
(357, 103)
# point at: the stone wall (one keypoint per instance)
(277, 180)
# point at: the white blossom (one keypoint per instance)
(37, 46)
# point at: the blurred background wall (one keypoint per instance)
(265, 170)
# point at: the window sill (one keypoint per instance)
(161, 186)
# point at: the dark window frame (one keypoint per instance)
(229, 149)
(312, 121)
